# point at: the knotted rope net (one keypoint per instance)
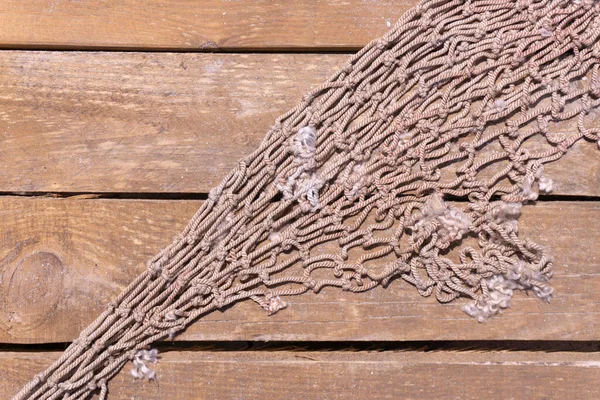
(360, 183)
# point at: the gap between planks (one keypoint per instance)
(203, 196)
(457, 346)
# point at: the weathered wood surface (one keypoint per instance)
(343, 375)
(62, 260)
(80, 122)
(197, 25)
(164, 123)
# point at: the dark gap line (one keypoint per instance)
(204, 196)
(581, 198)
(116, 195)
(348, 346)
(541, 198)
(208, 50)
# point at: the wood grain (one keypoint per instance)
(196, 25)
(103, 244)
(165, 123)
(343, 375)
(176, 123)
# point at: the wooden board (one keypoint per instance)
(196, 25)
(165, 123)
(343, 375)
(89, 250)
(152, 124)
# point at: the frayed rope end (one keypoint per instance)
(140, 370)
(501, 289)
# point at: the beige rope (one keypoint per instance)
(350, 188)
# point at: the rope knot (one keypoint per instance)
(587, 4)
(308, 97)
(213, 195)
(205, 246)
(83, 342)
(350, 83)
(263, 275)
(497, 44)
(377, 97)
(98, 347)
(523, 5)
(389, 59)
(138, 315)
(38, 378)
(346, 285)
(386, 113)
(361, 96)
(219, 301)
(426, 21)
(203, 287)
(155, 269)
(468, 9)
(167, 276)
(123, 311)
(382, 44)
(310, 284)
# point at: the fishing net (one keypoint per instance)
(412, 162)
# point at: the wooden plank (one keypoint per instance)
(196, 25)
(89, 250)
(62, 260)
(152, 122)
(110, 122)
(342, 375)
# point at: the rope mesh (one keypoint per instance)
(352, 188)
